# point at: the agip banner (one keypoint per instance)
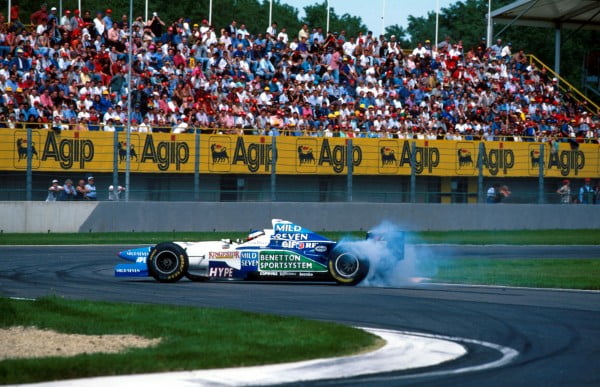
(222, 154)
(94, 151)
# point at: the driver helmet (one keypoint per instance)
(255, 234)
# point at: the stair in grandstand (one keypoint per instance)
(591, 73)
(566, 87)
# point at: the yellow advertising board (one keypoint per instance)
(230, 154)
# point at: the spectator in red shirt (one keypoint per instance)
(40, 16)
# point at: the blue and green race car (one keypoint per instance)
(283, 252)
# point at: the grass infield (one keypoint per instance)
(532, 272)
(517, 237)
(192, 338)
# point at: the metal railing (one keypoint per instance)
(349, 132)
(565, 87)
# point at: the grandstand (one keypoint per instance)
(196, 89)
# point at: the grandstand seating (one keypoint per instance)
(68, 74)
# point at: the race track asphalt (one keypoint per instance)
(556, 332)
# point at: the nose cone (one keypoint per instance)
(135, 255)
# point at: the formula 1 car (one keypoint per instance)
(283, 252)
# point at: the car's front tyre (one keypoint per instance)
(167, 262)
(347, 268)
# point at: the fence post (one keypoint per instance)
(480, 197)
(197, 164)
(350, 165)
(29, 173)
(115, 177)
(273, 169)
(413, 172)
(541, 176)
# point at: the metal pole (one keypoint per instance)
(79, 7)
(489, 24)
(327, 28)
(59, 11)
(541, 199)
(115, 179)
(557, 50)
(29, 175)
(129, 84)
(383, 19)
(437, 21)
(413, 172)
(146, 11)
(9, 7)
(210, 12)
(270, 13)
(197, 164)
(350, 164)
(273, 169)
(480, 174)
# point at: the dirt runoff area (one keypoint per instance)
(31, 342)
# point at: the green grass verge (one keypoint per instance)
(513, 237)
(533, 272)
(192, 338)
(519, 237)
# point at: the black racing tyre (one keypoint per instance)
(347, 268)
(167, 262)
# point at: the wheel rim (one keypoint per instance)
(166, 262)
(347, 265)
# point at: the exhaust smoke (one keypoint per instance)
(391, 262)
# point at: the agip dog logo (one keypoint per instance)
(122, 150)
(20, 147)
(307, 155)
(219, 154)
(534, 157)
(134, 149)
(466, 158)
(388, 156)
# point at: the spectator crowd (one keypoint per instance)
(68, 191)
(70, 72)
(82, 191)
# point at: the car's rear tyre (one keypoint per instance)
(167, 262)
(347, 268)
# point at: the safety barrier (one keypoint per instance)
(148, 216)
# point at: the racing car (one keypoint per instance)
(285, 251)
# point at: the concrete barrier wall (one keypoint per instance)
(43, 216)
(234, 216)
